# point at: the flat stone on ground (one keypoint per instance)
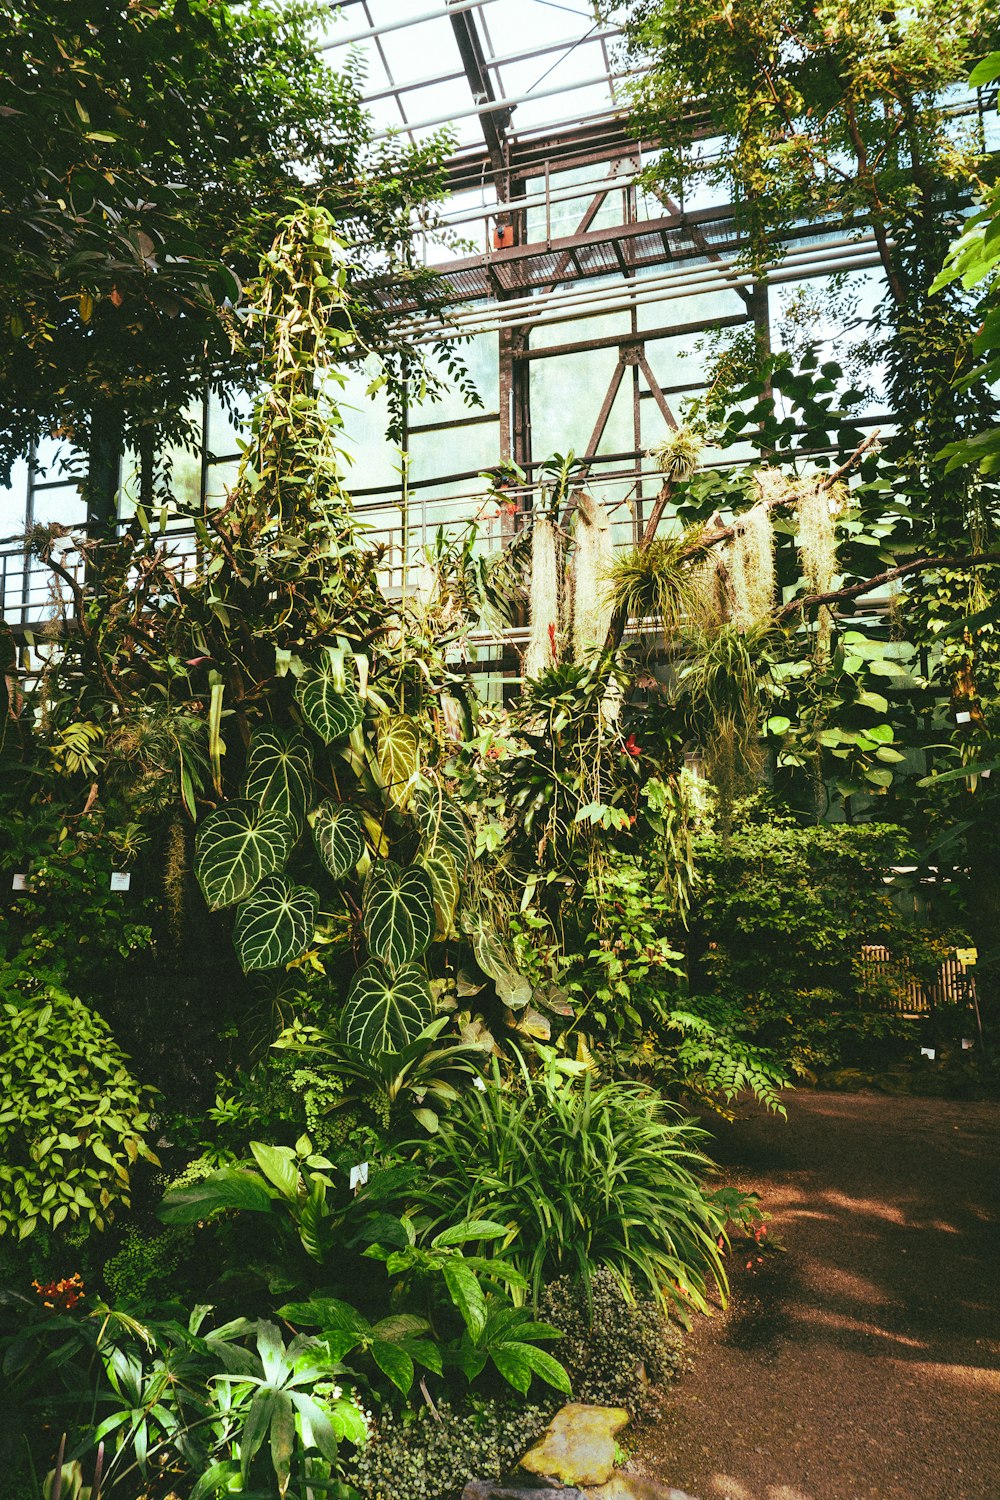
(578, 1446)
(635, 1487)
(505, 1489)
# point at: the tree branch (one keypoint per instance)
(868, 585)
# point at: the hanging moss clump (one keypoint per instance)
(593, 556)
(751, 568)
(543, 618)
(817, 539)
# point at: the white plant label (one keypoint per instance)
(359, 1175)
(928, 1052)
(963, 718)
(477, 1083)
(19, 883)
(120, 880)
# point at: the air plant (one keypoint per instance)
(656, 582)
(751, 567)
(721, 684)
(677, 456)
(817, 539)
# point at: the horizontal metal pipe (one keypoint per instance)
(497, 106)
(492, 64)
(384, 26)
(864, 263)
(725, 271)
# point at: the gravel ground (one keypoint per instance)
(863, 1364)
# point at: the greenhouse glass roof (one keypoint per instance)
(513, 67)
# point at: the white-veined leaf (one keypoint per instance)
(279, 772)
(398, 757)
(329, 700)
(446, 887)
(275, 924)
(237, 846)
(398, 912)
(339, 836)
(442, 826)
(386, 1012)
(513, 988)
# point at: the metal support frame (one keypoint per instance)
(494, 116)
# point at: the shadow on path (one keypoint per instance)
(864, 1364)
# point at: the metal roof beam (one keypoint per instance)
(493, 121)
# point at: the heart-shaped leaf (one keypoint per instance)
(386, 1012)
(339, 836)
(238, 845)
(442, 826)
(398, 757)
(275, 924)
(398, 912)
(446, 888)
(329, 700)
(513, 988)
(279, 773)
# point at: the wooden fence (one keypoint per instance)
(954, 984)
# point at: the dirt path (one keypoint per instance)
(865, 1363)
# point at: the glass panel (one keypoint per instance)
(14, 501)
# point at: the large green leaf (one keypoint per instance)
(496, 960)
(386, 1012)
(279, 772)
(442, 826)
(275, 924)
(446, 888)
(229, 1187)
(329, 700)
(398, 912)
(237, 846)
(398, 757)
(339, 836)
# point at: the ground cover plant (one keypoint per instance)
(427, 1166)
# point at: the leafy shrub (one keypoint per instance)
(142, 1266)
(428, 1455)
(214, 1408)
(777, 932)
(585, 1175)
(616, 1352)
(73, 1120)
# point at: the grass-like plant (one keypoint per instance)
(586, 1175)
(722, 685)
(655, 582)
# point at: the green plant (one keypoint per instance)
(721, 686)
(295, 1180)
(422, 1077)
(289, 1395)
(616, 1352)
(783, 915)
(584, 1175)
(140, 1270)
(73, 1120)
(187, 1406)
(495, 1332)
(430, 1454)
(656, 582)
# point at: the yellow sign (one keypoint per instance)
(967, 956)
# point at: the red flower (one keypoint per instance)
(64, 1294)
(631, 748)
